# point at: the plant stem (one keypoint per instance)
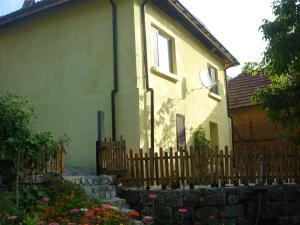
(17, 177)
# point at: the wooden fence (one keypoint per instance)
(248, 164)
(50, 160)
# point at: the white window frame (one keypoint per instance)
(158, 35)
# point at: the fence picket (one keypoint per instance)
(263, 164)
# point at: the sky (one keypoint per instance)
(235, 23)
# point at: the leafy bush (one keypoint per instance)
(16, 136)
(200, 141)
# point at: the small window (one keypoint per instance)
(180, 131)
(162, 51)
(214, 77)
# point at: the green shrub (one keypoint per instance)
(16, 136)
(200, 141)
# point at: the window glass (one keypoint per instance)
(180, 130)
(214, 77)
(162, 51)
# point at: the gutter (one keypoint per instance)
(146, 70)
(115, 89)
(227, 100)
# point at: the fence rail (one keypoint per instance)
(50, 160)
(248, 164)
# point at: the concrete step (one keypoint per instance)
(91, 180)
(118, 202)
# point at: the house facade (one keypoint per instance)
(138, 62)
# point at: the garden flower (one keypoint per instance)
(182, 210)
(74, 211)
(221, 214)
(211, 217)
(71, 223)
(46, 200)
(53, 223)
(152, 196)
(240, 218)
(97, 209)
(84, 210)
(12, 218)
(134, 214)
(106, 206)
(40, 222)
(89, 214)
(147, 219)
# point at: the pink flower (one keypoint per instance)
(182, 210)
(240, 218)
(89, 214)
(221, 214)
(74, 211)
(40, 222)
(211, 217)
(53, 223)
(152, 196)
(106, 206)
(71, 223)
(46, 200)
(147, 219)
(12, 218)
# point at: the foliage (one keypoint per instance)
(200, 141)
(8, 207)
(61, 202)
(16, 134)
(281, 64)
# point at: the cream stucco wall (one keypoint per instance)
(186, 97)
(62, 60)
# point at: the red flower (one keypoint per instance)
(89, 214)
(221, 214)
(97, 209)
(182, 210)
(75, 211)
(134, 214)
(152, 196)
(46, 200)
(12, 218)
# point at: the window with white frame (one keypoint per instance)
(214, 78)
(162, 51)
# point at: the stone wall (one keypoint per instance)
(235, 205)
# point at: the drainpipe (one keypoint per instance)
(145, 56)
(226, 85)
(115, 59)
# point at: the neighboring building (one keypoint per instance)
(60, 54)
(250, 123)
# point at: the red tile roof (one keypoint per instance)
(241, 89)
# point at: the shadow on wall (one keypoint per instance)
(165, 117)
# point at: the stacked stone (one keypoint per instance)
(280, 205)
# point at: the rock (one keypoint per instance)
(206, 212)
(193, 201)
(233, 199)
(234, 211)
(216, 199)
(250, 209)
(163, 212)
(275, 194)
(283, 208)
(246, 194)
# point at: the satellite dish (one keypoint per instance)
(205, 79)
